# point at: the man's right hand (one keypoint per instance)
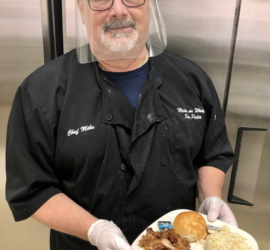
(105, 235)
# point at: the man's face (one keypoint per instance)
(117, 32)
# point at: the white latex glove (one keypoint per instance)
(215, 208)
(105, 235)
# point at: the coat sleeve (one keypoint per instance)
(216, 150)
(30, 170)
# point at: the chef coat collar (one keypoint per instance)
(116, 108)
(154, 72)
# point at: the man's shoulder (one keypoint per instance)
(181, 64)
(51, 73)
(46, 87)
(177, 69)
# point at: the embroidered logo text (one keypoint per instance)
(192, 114)
(80, 130)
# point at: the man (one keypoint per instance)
(99, 151)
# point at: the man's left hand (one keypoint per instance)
(216, 208)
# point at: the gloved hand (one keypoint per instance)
(215, 208)
(105, 235)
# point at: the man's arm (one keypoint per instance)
(64, 215)
(210, 182)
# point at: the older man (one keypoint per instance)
(99, 151)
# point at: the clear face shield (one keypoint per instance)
(118, 29)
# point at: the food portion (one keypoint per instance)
(190, 225)
(166, 240)
(226, 240)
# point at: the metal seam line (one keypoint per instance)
(232, 52)
(52, 29)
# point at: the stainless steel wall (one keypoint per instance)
(69, 25)
(249, 106)
(21, 44)
(201, 31)
(21, 52)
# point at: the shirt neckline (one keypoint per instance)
(129, 74)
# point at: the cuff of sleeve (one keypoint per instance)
(25, 209)
(222, 163)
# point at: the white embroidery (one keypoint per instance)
(81, 129)
(86, 128)
(189, 113)
(198, 110)
(73, 132)
(196, 117)
(180, 110)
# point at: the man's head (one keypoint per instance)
(116, 28)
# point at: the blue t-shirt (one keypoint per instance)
(130, 82)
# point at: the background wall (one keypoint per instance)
(21, 52)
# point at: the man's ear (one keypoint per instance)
(80, 4)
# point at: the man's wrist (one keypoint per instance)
(91, 228)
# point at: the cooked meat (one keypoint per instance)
(166, 240)
(167, 244)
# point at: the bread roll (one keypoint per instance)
(190, 225)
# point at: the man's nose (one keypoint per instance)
(119, 9)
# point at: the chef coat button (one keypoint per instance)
(159, 112)
(163, 162)
(131, 216)
(109, 117)
(123, 166)
(169, 208)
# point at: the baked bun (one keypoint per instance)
(190, 225)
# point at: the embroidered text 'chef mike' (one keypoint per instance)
(79, 130)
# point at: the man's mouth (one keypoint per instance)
(123, 28)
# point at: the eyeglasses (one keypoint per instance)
(99, 5)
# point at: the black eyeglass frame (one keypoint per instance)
(113, 3)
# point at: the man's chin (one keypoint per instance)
(120, 47)
(119, 44)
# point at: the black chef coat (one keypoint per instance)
(72, 131)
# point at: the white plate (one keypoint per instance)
(194, 246)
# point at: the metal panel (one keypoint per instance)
(20, 44)
(249, 105)
(69, 25)
(201, 31)
(21, 50)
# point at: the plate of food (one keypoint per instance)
(188, 230)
